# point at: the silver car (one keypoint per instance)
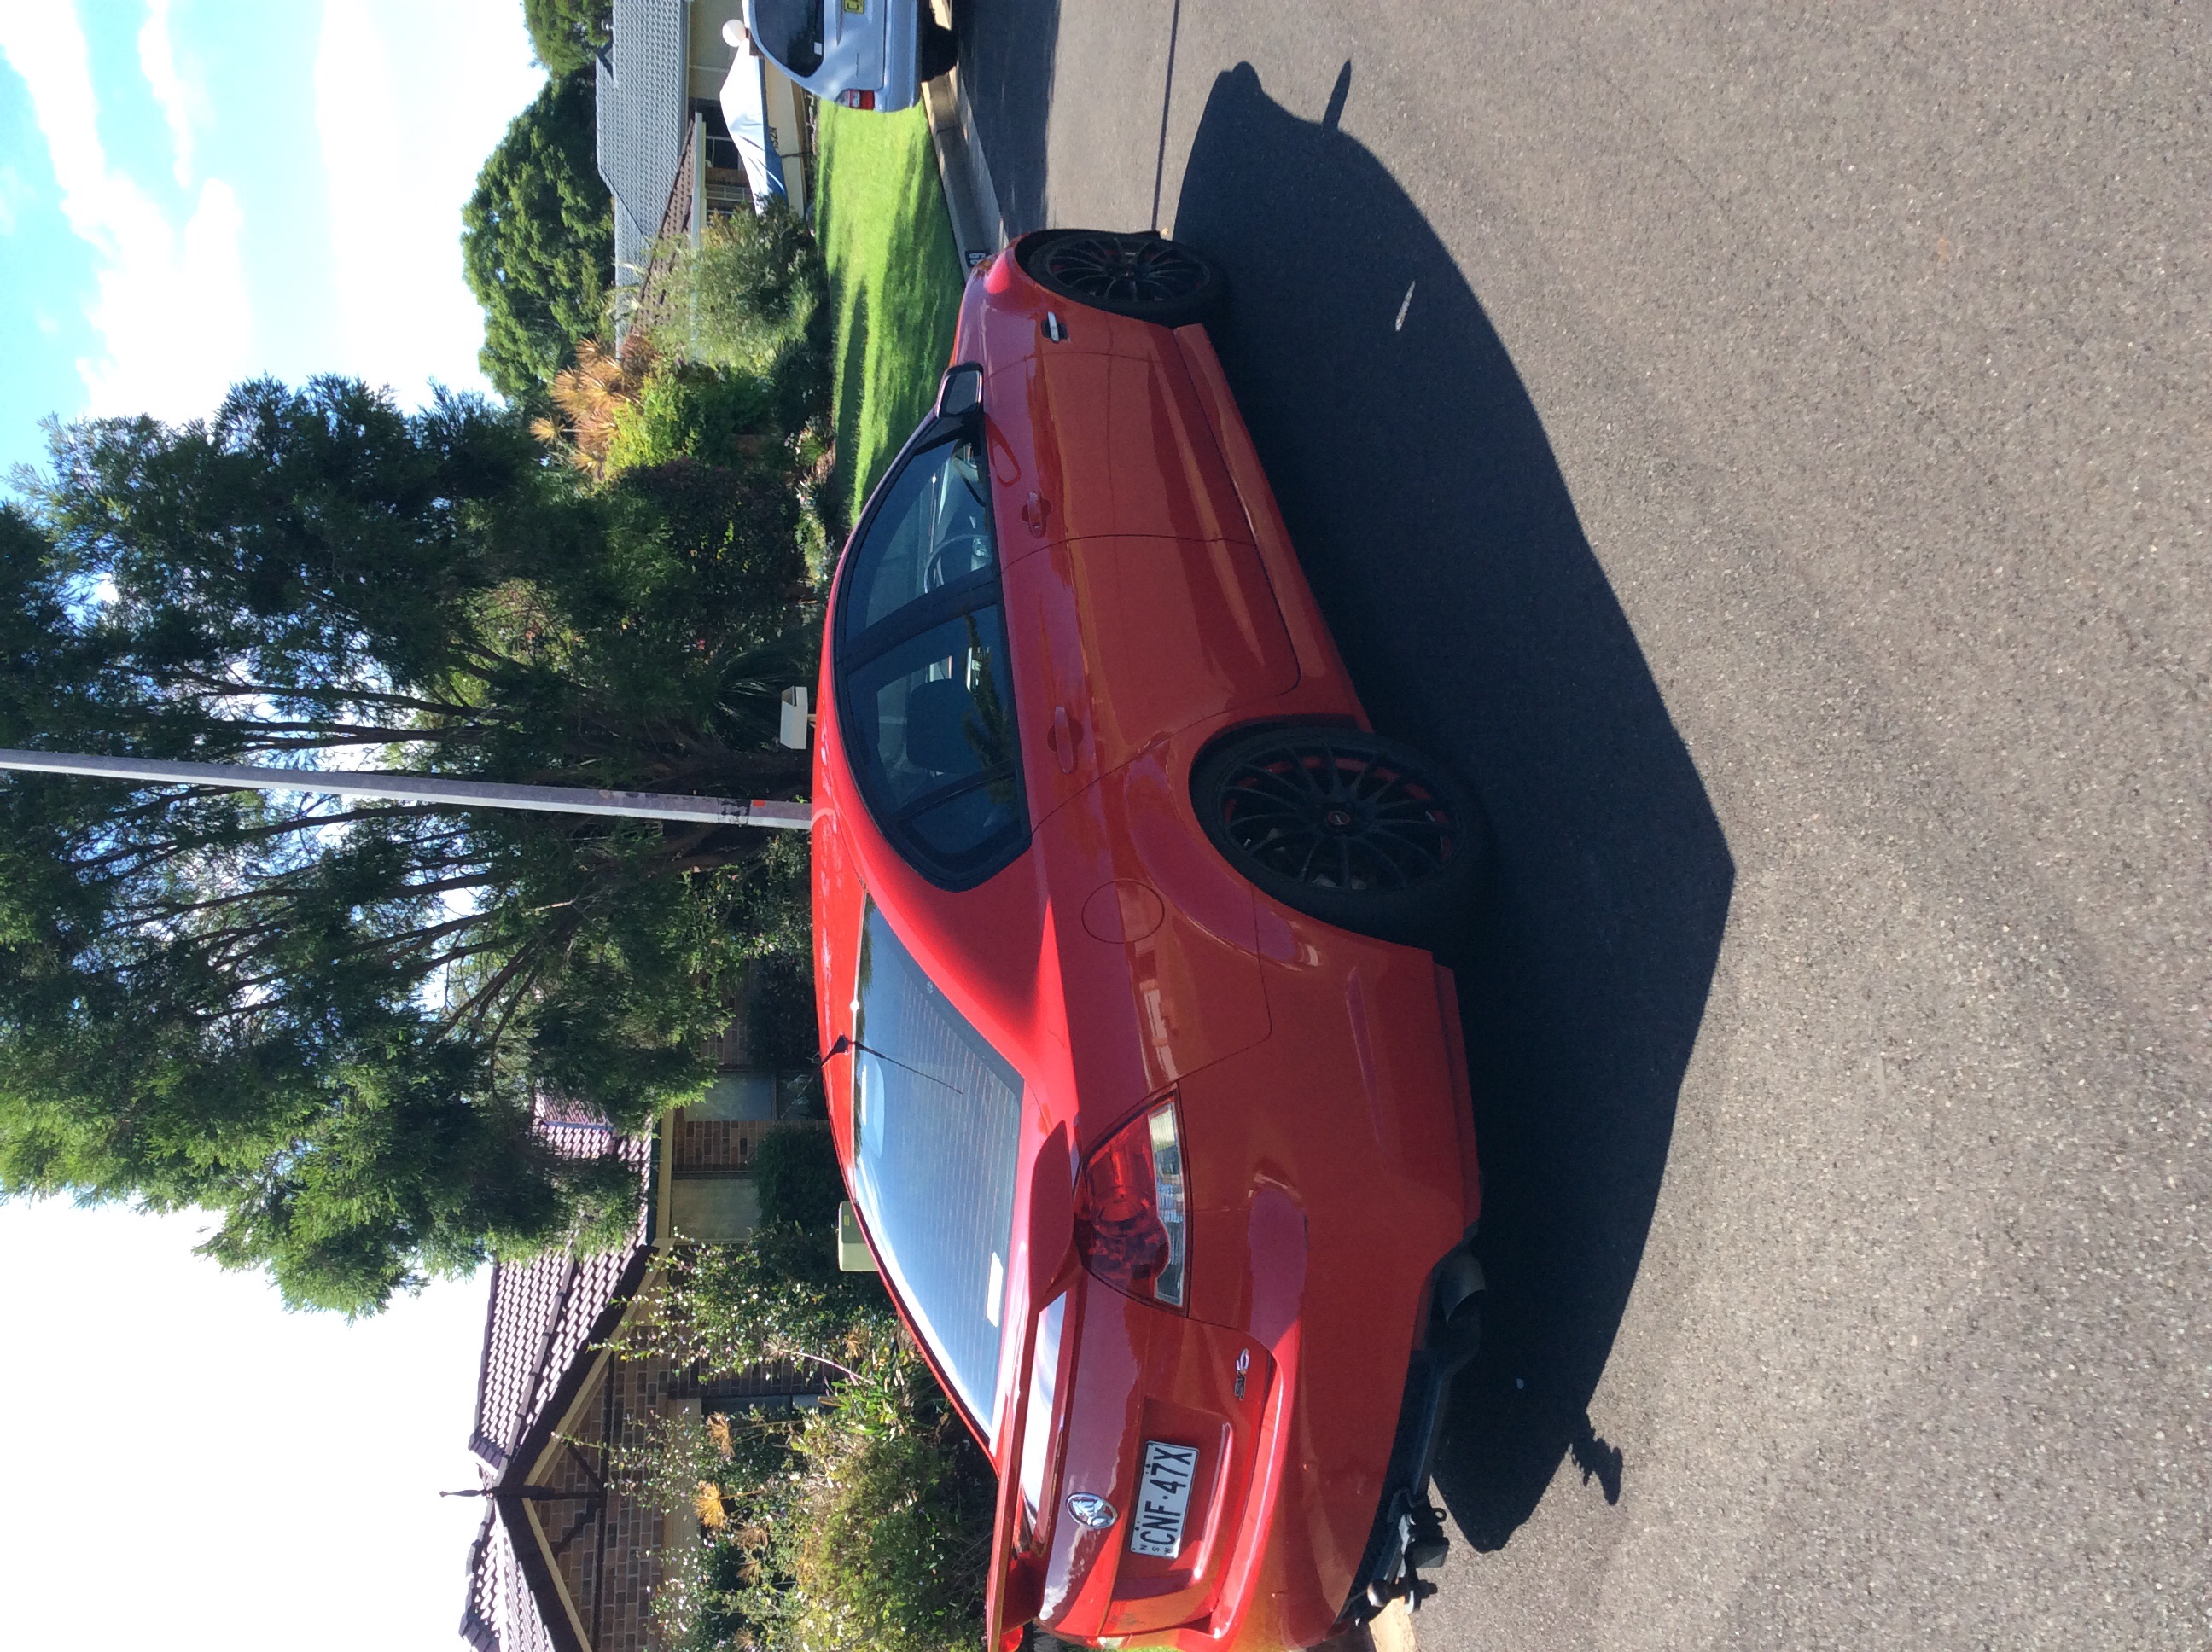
(864, 54)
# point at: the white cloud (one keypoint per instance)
(157, 61)
(169, 304)
(403, 131)
(291, 1462)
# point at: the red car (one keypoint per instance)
(1151, 1100)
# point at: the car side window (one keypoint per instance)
(926, 693)
(932, 531)
(790, 30)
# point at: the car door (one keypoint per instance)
(1136, 600)
(1100, 432)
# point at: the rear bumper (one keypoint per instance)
(897, 85)
(1290, 1605)
(902, 88)
(1330, 1172)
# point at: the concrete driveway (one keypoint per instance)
(1770, 447)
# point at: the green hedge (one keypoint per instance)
(795, 1171)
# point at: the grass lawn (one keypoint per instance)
(895, 282)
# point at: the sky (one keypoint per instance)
(195, 191)
(191, 1466)
(192, 192)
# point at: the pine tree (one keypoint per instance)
(537, 239)
(328, 1020)
(565, 34)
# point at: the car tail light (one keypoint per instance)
(1129, 1211)
(858, 99)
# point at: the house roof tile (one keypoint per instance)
(542, 1310)
(543, 1317)
(642, 86)
(501, 1614)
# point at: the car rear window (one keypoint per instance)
(790, 30)
(936, 1118)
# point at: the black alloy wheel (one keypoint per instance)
(1145, 275)
(1354, 829)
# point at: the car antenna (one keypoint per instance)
(844, 1043)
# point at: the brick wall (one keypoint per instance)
(730, 1048)
(718, 1146)
(607, 1544)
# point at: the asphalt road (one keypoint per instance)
(1770, 447)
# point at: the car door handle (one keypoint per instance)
(1036, 509)
(1062, 739)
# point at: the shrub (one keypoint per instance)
(587, 398)
(778, 1296)
(795, 1170)
(725, 361)
(751, 299)
(863, 1524)
(733, 1585)
(752, 281)
(893, 1537)
(780, 1021)
(613, 413)
(685, 411)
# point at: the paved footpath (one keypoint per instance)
(1770, 449)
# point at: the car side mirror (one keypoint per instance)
(960, 392)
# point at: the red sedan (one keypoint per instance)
(1149, 1095)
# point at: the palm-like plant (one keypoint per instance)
(592, 395)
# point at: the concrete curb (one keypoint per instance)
(969, 199)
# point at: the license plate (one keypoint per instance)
(1163, 1498)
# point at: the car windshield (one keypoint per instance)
(790, 30)
(936, 1115)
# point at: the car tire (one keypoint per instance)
(1145, 275)
(939, 49)
(1357, 830)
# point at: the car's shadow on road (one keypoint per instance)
(1438, 534)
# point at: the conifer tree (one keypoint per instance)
(538, 240)
(329, 1020)
(564, 33)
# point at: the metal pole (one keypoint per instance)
(422, 788)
